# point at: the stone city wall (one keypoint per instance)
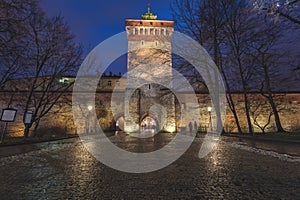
(60, 119)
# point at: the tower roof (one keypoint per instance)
(149, 15)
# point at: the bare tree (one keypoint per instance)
(249, 48)
(287, 9)
(205, 21)
(258, 111)
(281, 11)
(13, 42)
(273, 57)
(52, 53)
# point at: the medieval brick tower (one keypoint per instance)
(151, 104)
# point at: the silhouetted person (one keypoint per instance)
(191, 127)
(196, 126)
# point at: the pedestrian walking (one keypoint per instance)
(191, 127)
(196, 126)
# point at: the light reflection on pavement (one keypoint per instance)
(65, 170)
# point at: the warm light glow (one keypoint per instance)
(90, 108)
(131, 128)
(170, 129)
(209, 109)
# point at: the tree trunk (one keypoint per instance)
(276, 115)
(36, 124)
(26, 131)
(247, 110)
(220, 127)
(270, 98)
(233, 110)
(229, 96)
(245, 90)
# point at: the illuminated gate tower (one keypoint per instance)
(150, 102)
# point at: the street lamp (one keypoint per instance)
(90, 108)
(209, 112)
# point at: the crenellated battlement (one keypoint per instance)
(150, 23)
(149, 30)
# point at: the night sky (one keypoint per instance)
(93, 21)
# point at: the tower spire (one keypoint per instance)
(149, 15)
(149, 7)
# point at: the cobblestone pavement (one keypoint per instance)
(65, 170)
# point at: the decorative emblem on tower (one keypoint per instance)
(148, 15)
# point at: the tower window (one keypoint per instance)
(108, 83)
(151, 31)
(118, 83)
(142, 42)
(149, 86)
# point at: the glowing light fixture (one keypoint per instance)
(90, 108)
(170, 128)
(209, 109)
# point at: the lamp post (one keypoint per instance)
(209, 122)
(90, 108)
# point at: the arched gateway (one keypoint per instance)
(149, 124)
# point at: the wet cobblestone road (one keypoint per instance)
(65, 170)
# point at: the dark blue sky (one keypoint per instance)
(93, 21)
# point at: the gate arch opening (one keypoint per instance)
(149, 124)
(120, 123)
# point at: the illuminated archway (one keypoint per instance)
(149, 123)
(120, 123)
